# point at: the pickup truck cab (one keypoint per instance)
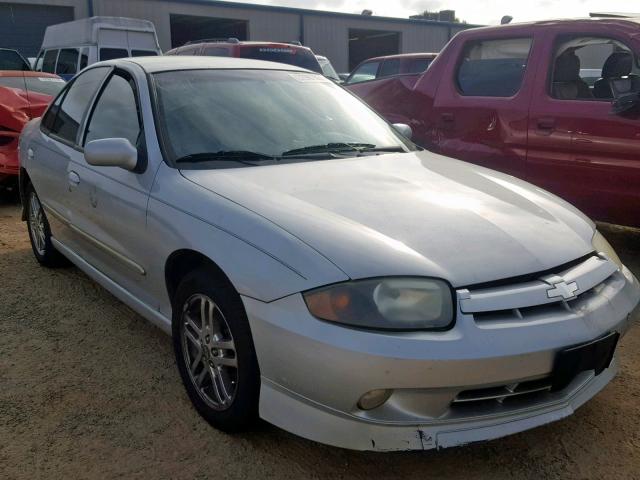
(521, 98)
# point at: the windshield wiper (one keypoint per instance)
(391, 148)
(328, 148)
(235, 155)
(341, 148)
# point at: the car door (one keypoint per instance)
(111, 202)
(578, 149)
(49, 154)
(481, 107)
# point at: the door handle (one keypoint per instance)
(546, 123)
(447, 117)
(30, 154)
(74, 179)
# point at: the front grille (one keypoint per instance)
(530, 301)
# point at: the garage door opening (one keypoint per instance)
(187, 28)
(364, 44)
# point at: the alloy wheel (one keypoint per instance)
(209, 351)
(36, 224)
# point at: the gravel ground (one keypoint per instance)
(88, 389)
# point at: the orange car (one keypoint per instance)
(23, 95)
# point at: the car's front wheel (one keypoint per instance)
(214, 351)
(40, 233)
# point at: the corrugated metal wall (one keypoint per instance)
(326, 34)
(22, 23)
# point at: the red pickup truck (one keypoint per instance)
(556, 103)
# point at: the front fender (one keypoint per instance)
(262, 260)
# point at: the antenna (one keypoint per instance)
(506, 20)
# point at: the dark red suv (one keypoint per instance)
(289, 53)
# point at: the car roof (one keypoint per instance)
(167, 63)
(26, 73)
(405, 55)
(525, 27)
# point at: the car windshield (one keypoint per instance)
(290, 55)
(262, 114)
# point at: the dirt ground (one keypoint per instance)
(88, 389)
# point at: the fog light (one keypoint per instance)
(374, 399)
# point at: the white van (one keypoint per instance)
(69, 47)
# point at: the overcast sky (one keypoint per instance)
(473, 11)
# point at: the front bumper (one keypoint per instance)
(314, 372)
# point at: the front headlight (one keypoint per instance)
(601, 245)
(385, 303)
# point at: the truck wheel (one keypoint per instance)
(40, 233)
(214, 351)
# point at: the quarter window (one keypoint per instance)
(67, 61)
(493, 68)
(144, 53)
(364, 72)
(75, 103)
(113, 53)
(49, 64)
(418, 65)
(115, 114)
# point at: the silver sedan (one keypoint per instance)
(312, 265)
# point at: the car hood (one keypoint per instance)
(411, 214)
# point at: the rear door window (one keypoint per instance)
(493, 68)
(366, 71)
(12, 60)
(113, 53)
(389, 67)
(49, 63)
(216, 51)
(75, 103)
(67, 61)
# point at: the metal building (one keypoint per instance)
(344, 38)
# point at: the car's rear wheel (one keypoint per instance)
(214, 351)
(40, 233)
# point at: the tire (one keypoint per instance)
(40, 233)
(216, 358)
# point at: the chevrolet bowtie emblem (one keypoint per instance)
(563, 289)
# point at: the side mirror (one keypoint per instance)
(625, 104)
(111, 152)
(403, 129)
